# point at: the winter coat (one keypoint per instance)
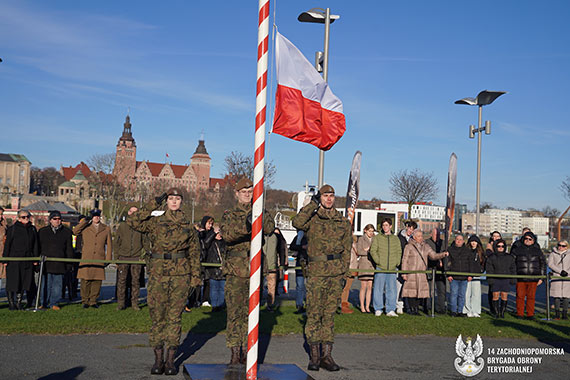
(215, 255)
(128, 243)
(97, 245)
(439, 265)
(500, 263)
(530, 261)
(461, 260)
(559, 261)
(362, 249)
(2, 238)
(298, 252)
(386, 251)
(21, 241)
(206, 239)
(415, 257)
(55, 244)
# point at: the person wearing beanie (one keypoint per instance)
(530, 261)
(500, 262)
(473, 292)
(54, 241)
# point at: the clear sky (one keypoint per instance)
(73, 68)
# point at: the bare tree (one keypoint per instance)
(550, 212)
(238, 165)
(45, 181)
(106, 185)
(565, 188)
(414, 186)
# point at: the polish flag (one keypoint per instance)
(305, 108)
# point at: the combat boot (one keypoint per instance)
(11, 302)
(495, 308)
(169, 367)
(158, 367)
(502, 308)
(314, 357)
(327, 362)
(235, 355)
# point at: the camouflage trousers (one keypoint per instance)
(166, 299)
(237, 302)
(122, 275)
(323, 297)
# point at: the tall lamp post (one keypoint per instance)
(483, 98)
(321, 16)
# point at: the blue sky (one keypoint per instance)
(72, 69)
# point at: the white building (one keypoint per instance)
(421, 211)
(538, 225)
(507, 222)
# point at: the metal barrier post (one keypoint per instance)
(548, 296)
(432, 292)
(42, 261)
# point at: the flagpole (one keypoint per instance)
(258, 173)
(326, 78)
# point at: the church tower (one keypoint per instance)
(200, 162)
(126, 156)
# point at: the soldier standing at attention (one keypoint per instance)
(173, 266)
(236, 230)
(329, 238)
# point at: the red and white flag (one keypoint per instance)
(305, 108)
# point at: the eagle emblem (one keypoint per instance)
(468, 353)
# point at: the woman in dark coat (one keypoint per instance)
(213, 274)
(500, 262)
(21, 241)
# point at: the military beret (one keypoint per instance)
(95, 212)
(243, 183)
(174, 191)
(326, 189)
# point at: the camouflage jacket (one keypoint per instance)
(328, 233)
(238, 239)
(170, 232)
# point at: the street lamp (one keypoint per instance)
(484, 98)
(321, 16)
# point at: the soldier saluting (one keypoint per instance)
(173, 266)
(236, 230)
(329, 239)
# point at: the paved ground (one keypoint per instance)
(128, 357)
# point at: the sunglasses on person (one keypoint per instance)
(501, 246)
(563, 245)
(55, 218)
(25, 217)
(528, 238)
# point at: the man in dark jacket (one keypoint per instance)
(54, 241)
(128, 246)
(440, 286)
(530, 261)
(214, 275)
(459, 261)
(21, 241)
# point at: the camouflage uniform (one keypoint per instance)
(236, 269)
(169, 278)
(128, 246)
(329, 242)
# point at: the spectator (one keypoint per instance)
(272, 259)
(519, 240)
(495, 235)
(404, 236)
(472, 305)
(2, 237)
(70, 281)
(54, 241)
(21, 241)
(96, 245)
(299, 247)
(386, 252)
(207, 235)
(214, 275)
(560, 289)
(128, 247)
(530, 261)
(500, 262)
(440, 284)
(459, 261)
(415, 257)
(362, 249)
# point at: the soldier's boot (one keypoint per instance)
(314, 357)
(11, 301)
(495, 308)
(158, 367)
(19, 299)
(345, 308)
(502, 309)
(169, 367)
(235, 355)
(327, 362)
(243, 355)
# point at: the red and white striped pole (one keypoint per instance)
(258, 173)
